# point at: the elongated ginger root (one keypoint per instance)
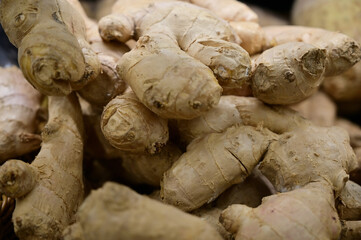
(53, 53)
(288, 73)
(162, 69)
(342, 52)
(212, 164)
(20, 103)
(306, 213)
(49, 191)
(129, 126)
(116, 212)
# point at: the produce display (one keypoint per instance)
(179, 120)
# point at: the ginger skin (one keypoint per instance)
(17, 134)
(50, 35)
(49, 190)
(112, 211)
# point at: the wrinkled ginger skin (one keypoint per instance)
(177, 41)
(57, 183)
(116, 212)
(53, 53)
(288, 73)
(129, 126)
(304, 214)
(342, 51)
(212, 164)
(17, 131)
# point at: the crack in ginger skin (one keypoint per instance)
(20, 103)
(209, 167)
(126, 208)
(49, 190)
(179, 85)
(129, 126)
(53, 53)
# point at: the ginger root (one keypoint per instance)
(49, 190)
(53, 52)
(20, 103)
(116, 212)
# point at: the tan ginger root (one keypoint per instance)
(349, 202)
(49, 191)
(107, 84)
(116, 212)
(212, 164)
(288, 73)
(20, 103)
(319, 109)
(342, 52)
(130, 126)
(163, 71)
(306, 213)
(53, 53)
(351, 230)
(233, 110)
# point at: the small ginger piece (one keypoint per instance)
(170, 68)
(116, 212)
(306, 213)
(212, 164)
(288, 73)
(130, 126)
(351, 230)
(342, 52)
(20, 103)
(53, 52)
(49, 190)
(349, 202)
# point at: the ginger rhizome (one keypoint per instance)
(129, 126)
(50, 36)
(174, 66)
(212, 164)
(20, 103)
(116, 212)
(49, 190)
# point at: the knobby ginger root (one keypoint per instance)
(107, 84)
(288, 73)
(212, 164)
(319, 109)
(349, 202)
(20, 103)
(306, 213)
(53, 53)
(342, 51)
(178, 85)
(130, 126)
(116, 212)
(49, 190)
(233, 110)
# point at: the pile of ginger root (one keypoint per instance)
(175, 119)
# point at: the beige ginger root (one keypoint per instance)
(116, 212)
(354, 131)
(342, 52)
(212, 164)
(163, 71)
(53, 53)
(349, 202)
(288, 73)
(49, 190)
(303, 214)
(20, 103)
(130, 126)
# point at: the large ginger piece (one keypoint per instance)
(129, 126)
(49, 190)
(288, 73)
(303, 214)
(53, 53)
(212, 164)
(116, 212)
(342, 52)
(170, 68)
(20, 103)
